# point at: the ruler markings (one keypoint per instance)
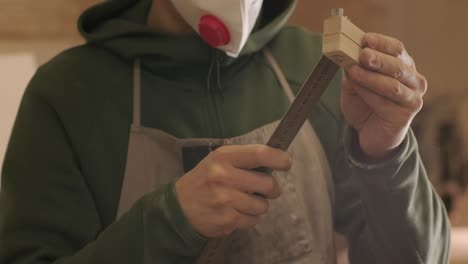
(300, 109)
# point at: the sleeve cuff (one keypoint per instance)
(179, 222)
(351, 145)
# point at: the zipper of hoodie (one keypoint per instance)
(215, 94)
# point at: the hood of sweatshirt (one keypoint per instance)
(120, 26)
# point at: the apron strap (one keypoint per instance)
(137, 93)
(279, 74)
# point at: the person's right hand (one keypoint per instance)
(217, 196)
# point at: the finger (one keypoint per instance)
(393, 67)
(253, 156)
(385, 86)
(381, 106)
(232, 220)
(422, 87)
(253, 182)
(346, 88)
(248, 204)
(247, 221)
(384, 44)
(357, 111)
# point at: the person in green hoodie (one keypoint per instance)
(136, 147)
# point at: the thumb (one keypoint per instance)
(347, 86)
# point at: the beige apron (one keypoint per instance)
(298, 227)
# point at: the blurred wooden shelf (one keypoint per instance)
(26, 19)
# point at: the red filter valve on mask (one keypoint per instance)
(213, 31)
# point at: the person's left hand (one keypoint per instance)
(381, 96)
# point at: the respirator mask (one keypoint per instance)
(223, 24)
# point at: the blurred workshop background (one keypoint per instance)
(31, 32)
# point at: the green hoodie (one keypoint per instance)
(65, 162)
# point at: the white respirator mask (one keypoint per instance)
(223, 24)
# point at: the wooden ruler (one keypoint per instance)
(341, 48)
(300, 109)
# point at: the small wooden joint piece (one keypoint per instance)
(342, 41)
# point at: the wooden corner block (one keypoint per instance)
(342, 41)
(341, 50)
(341, 24)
